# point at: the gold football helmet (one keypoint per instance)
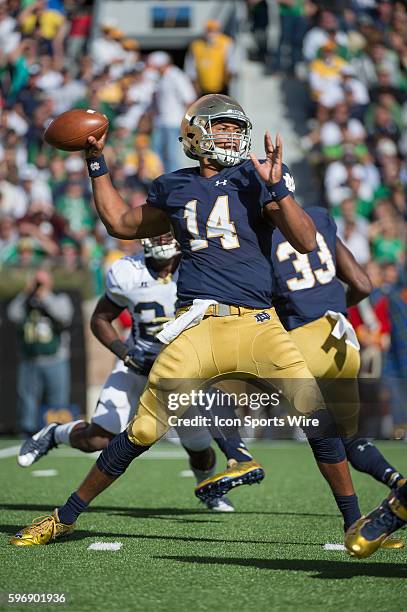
(196, 130)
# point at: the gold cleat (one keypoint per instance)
(372, 532)
(357, 545)
(241, 473)
(41, 531)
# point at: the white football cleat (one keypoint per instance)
(37, 446)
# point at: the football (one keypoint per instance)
(71, 130)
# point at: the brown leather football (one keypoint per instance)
(71, 130)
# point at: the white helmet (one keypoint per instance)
(160, 248)
(196, 130)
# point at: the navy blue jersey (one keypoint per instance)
(225, 241)
(305, 284)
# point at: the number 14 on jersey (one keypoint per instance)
(218, 225)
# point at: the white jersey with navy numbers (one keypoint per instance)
(150, 300)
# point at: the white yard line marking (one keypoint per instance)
(105, 546)
(10, 451)
(186, 474)
(331, 546)
(44, 473)
(149, 456)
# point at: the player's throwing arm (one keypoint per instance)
(120, 220)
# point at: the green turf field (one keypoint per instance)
(177, 556)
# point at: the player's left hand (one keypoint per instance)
(271, 170)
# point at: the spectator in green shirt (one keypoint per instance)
(8, 240)
(387, 245)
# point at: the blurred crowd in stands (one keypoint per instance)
(357, 62)
(356, 68)
(350, 54)
(357, 144)
(48, 65)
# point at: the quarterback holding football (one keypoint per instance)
(222, 213)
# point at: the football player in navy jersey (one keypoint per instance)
(311, 303)
(222, 213)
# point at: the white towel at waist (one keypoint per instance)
(343, 328)
(190, 318)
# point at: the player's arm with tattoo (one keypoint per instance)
(286, 214)
(350, 272)
(120, 220)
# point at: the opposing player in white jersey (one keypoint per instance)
(147, 288)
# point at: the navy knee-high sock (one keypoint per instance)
(69, 512)
(349, 508)
(227, 437)
(233, 448)
(366, 457)
(331, 451)
(113, 461)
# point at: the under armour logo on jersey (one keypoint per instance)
(144, 284)
(224, 182)
(262, 316)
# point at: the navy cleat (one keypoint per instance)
(37, 446)
(219, 504)
(370, 532)
(243, 473)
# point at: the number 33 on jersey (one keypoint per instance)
(305, 284)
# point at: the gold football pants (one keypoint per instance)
(238, 343)
(336, 365)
